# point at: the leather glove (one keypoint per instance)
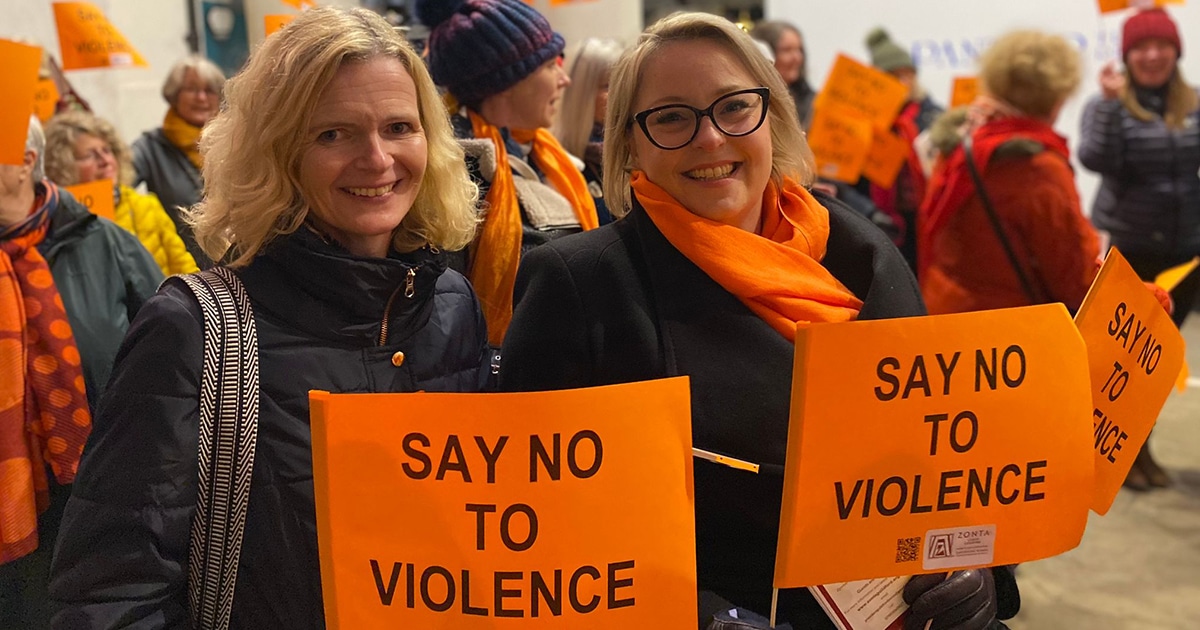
(742, 619)
(965, 600)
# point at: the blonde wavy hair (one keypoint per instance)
(791, 155)
(1031, 70)
(253, 148)
(63, 130)
(1182, 100)
(589, 66)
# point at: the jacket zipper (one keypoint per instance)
(410, 289)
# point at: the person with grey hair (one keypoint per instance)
(70, 283)
(168, 158)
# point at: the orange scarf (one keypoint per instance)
(498, 249)
(43, 404)
(185, 136)
(777, 274)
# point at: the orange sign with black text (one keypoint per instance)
(45, 99)
(869, 92)
(963, 91)
(88, 40)
(1135, 352)
(935, 443)
(19, 75)
(841, 142)
(96, 196)
(567, 509)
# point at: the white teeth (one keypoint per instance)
(710, 173)
(370, 192)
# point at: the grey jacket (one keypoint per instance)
(1149, 198)
(178, 183)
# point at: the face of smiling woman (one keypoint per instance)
(366, 155)
(715, 176)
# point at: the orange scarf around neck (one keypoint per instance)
(43, 403)
(498, 248)
(777, 274)
(185, 136)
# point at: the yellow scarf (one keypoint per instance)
(777, 274)
(498, 250)
(185, 136)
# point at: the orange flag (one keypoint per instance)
(1135, 354)
(935, 443)
(88, 40)
(566, 509)
(19, 75)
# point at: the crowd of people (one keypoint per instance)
(514, 212)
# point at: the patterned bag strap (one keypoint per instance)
(229, 393)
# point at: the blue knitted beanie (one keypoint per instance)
(478, 48)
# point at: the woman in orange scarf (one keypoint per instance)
(502, 65)
(722, 250)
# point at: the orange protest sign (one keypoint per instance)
(18, 74)
(45, 99)
(868, 92)
(886, 157)
(568, 509)
(299, 5)
(963, 91)
(88, 40)
(1135, 353)
(841, 142)
(1171, 278)
(1108, 6)
(96, 196)
(935, 443)
(273, 23)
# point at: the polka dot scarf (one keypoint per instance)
(43, 407)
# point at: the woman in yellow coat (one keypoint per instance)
(82, 148)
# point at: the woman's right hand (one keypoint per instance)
(1112, 81)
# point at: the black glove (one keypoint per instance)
(742, 619)
(966, 600)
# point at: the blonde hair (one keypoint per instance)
(1030, 70)
(63, 131)
(791, 155)
(1181, 101)
(205, 70)
(253, 148)
(589, 66)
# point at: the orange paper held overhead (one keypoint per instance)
(870, 93)
(568, 509)
(1135, 353)
(935, 443)
(841, 142)
(96, 196)
(88, 40)
(19, 75)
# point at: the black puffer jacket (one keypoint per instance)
(121, 560)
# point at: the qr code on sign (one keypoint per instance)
(908, 549)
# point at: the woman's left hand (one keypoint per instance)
(964, 600)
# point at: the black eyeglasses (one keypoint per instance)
(736, 114)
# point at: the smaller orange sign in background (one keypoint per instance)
(841, 142)
(19, 75)
(886, 158)
(869, 92)
(935, 443)
(1135, 354)
(1108, 6)
(45, 99)
(96, 196)
(963, 91)
(416, 528)
(88, 40)
(273, 23)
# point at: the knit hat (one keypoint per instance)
(885, 53)
(478, 48)
(1149, 24)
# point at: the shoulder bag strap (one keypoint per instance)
(229, 399)
(995, 221)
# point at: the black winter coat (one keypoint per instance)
(621, 304)
(122, 555)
